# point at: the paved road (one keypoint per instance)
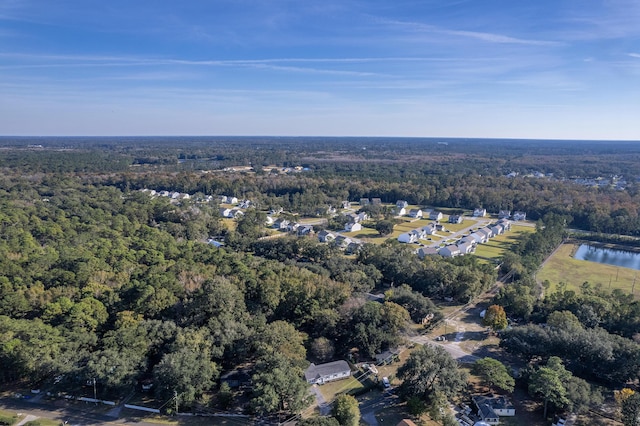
(72, 415)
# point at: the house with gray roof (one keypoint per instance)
(323, 373)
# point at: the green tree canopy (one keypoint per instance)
(346, 410)
(494, 374)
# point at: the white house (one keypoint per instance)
(400, 211)
(479, 212)
(466, 248)
(323, 373)
(225, 212)
(519, 216)
(326, 236)
(305, 230)
(346, 205)
(449, 251)
(455, 218)
(429, 229)
(281, 224)
(232, 200)
(352, 227)
(415, 213)
(491, 409)
(401, 204)
(407, 237)
(268, 221)
(436, 215)
(479, 237)
(504, 214)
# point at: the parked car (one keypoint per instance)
(385, 382)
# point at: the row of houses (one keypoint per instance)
(285, 225)
(517, 216)
(468, 244)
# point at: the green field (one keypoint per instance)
(562, 267)
(496, 246)
(455, 227)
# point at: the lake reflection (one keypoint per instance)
(623, 258)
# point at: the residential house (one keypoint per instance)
(175, 195)
(352, 227)
(346, 205)
(164, 193)
(455, 218)
(400, 211)
(466, 248)
(245, 204)
(436, 215)
(323, 373)
(364, 202)
(479, 212)
(415, 213)
(490, 409)
(468, 239)
(293, 227)
(353, 217)
(362, 216)
(497, 230)
(418, 234)
(486, 231)
(504, 214)
(305, 230)
(326, 236)
(236, 213)
(276, 210)
(342, 242)
(408, 238)
(225, 213)
(519, 216)
(215, 243)
(429, 229)
(376, 201)
(506, 223)
(401, 204)
(449, 251)
(479, 237)
(426, 251)
(232, 200)
(353, 248)
(440, 227)
(268, 221)
(281, 224)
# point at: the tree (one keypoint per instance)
(546, 382)
(279, 387)
(430, 369)
(630, 408)
(346, 410)
(384, 227)
(495, 317)
(494, 373)
(187, 372)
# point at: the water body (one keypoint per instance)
(623, 258)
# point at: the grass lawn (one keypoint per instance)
(455, 227)
(562, 267)
(364, 233)
(330, 390)
(231, 224)
(496, 246)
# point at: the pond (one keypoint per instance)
(626, 259)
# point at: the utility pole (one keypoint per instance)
(175, 397)
(95, 394)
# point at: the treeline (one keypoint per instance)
(100, 283)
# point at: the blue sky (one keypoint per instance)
(434, 68)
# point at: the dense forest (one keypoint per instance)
(100, 281)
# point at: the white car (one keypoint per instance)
(385, 382)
